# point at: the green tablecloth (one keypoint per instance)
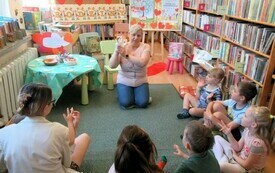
(59, 75)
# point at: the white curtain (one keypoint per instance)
(5, 8)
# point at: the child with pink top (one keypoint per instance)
(249, 154)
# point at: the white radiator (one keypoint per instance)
(11, 80)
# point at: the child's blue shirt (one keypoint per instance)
(234, 113)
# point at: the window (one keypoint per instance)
(4, 8)
(36, 3)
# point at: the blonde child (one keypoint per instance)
(198, 140)
(249, 154)
(236, 107)
(205, 94)
(38, 145)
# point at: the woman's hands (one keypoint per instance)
(180, 153)
(120, 47)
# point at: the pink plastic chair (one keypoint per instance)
(175, 55)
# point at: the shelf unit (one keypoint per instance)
(196, 12)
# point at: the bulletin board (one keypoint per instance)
(85, 2)
(157, 15)
(88, 13)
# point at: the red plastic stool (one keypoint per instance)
(170, 65)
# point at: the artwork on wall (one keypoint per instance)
(88, 12)
(161, 15)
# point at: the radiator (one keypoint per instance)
(11, 80)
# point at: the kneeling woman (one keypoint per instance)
(132, 83)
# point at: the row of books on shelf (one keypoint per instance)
(233, 78)
(250, 35)
(253, 36)
(259, 10)
(207, 41)
(10, 30)
(209, 23)
(189, 17)
(188, 32)
(34, 15)
(244, 61)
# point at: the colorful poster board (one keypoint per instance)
(88, 12)
(157, 15)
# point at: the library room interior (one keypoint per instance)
(94, 54)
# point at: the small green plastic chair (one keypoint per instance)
(107, 48)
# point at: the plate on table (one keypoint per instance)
(70, 61)
(50, 61)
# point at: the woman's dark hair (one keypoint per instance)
(135, 152)
(33, 98)
(199, 136)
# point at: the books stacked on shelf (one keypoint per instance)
(187, 47)
(253, 36)
(205, 40)
(246, 62)
(214, 6)
(10, 30)
(187, 62)
(259, 10)
(174, 37)
(188, 32)
(210, 23)
(31, 19)
(240, 33)
(34, 15)
(190, 4)
(189, 17)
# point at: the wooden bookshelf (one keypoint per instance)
(212, 12)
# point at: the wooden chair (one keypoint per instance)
(121, 29)
(107, 48)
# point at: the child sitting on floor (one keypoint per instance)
(205, 93)
(249, 154)
(237, 105)
(135, 152)
(198, 140)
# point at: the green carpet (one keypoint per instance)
(104, 120)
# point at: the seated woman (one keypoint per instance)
(132, 83)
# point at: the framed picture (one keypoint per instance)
(160, 15)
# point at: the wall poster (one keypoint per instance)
(161, 15)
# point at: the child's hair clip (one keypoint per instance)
(272, 116)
